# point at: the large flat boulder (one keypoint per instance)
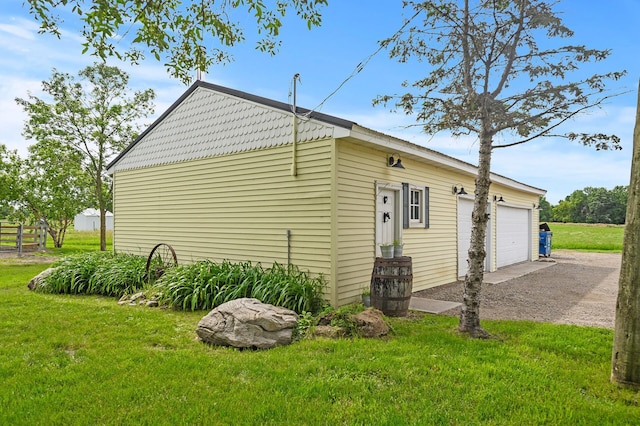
(248, 323)
(37, 280)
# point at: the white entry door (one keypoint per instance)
(388, 217)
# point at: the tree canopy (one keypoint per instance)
(9, 173)
(52, 187)
(186, 35)
(592, 205)
(490, 73)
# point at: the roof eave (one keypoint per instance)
(400, 146)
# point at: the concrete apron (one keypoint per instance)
(501, 275)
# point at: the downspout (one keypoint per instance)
(113, 208)
(288, 247)
(294, 158)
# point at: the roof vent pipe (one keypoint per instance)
(294, 158)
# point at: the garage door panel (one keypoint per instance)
(513, 235)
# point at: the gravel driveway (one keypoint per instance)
(581, 289)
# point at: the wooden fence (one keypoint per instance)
(22, 237)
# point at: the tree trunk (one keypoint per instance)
(470, 314)
(103, 228)
(54, 236)
(625, 360)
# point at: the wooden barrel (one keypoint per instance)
(391, 284)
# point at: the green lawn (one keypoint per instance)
(587, 237)
(86, 360)
(77, 241)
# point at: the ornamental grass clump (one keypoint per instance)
(72, 274)
(206, 284)
(118, 274)
(102, 273)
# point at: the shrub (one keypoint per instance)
(202, 285)
(72, 274)
(305, 325)
(206, 284)
(103, 273)
(118, 275)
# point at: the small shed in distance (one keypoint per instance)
(89, 220)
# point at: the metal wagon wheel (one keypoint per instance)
(161, 258)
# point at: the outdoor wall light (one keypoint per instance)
(392, 162)
(498, 199)
(458, 191)
(536, 206)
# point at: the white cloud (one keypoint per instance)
(13, 117)
(22, 30)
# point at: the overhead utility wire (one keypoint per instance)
(361, 65)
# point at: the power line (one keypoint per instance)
(358, 68)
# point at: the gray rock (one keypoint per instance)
(328, 331)
(139, 295)
(138, 299)
(248, 323)
(371, 323)
(37, 280)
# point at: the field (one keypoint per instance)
(588, 237)
(86, 360)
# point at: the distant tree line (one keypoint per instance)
(588, 205)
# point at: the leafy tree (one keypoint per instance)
(625, 360)
(10, 164)
(593, 205)
(9, 174)
(5, 211)
(597, 205)
(94, 115)
(546, 213)
(52, 187)
(619, 195)
(573, 208)
(176, 32)
(602, 206)
(489, 77)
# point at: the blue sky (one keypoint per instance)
(325, 56)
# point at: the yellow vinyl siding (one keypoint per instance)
(433, 250)
(239, 207)
(236, 207)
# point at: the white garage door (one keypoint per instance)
(465, 208)
(513, 235)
